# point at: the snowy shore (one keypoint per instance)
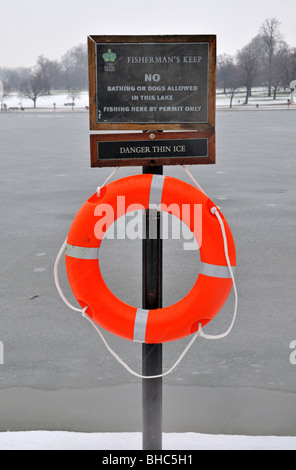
(61, 102)
(61, 440)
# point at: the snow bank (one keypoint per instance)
(15, 101)
(61, 440)
(60, 99)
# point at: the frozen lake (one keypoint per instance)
(55, 367)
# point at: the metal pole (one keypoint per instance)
(152, 353)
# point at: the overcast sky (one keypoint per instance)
(29, 28)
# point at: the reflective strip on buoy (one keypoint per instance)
(81, 252)
(213, 270)
(156, 190)
(140, 325)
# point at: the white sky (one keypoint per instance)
(29, 28)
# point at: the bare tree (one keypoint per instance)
(224, 64)
(271, 41)
(233, 86)
(35, 85)
(248, 62)
(227, 76)
(75, 68)
(288, 65)
(277, 77)
(1, 94)
(73, 94)
(6, 90)
(51, 70)
(13, 77)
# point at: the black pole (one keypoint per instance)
(152, 353)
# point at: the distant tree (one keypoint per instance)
(34, 86)
(276, 79)
(75, 68)
(233, 85)
(13, 77)
(2, 92)
(51, 70)
(224, 65)
(227, 76)
(271, 42)
(248, 66)
(288, 65)
(6, 89)
(6, 93)
(73, 95)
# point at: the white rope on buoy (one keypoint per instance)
(200, 332)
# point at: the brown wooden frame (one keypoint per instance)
(158, 137)
(210, 125)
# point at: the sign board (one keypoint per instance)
(152, 149)
(152, 82)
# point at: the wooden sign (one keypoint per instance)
(152, 82)
(152, 149)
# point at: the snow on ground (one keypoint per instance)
(258, 98)
(61, 440)
(15, 101)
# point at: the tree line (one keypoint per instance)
(69, 74)
(266, 61)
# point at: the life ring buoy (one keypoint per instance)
(199, 306)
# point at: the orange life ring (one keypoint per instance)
(199, 306)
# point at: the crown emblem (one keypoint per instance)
(109, 56)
